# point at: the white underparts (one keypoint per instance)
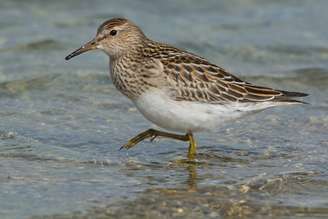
(184, 116)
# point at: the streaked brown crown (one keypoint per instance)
(112, 23)
(128, 36)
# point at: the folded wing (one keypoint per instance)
(194, 79)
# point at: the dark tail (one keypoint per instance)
(293, 94)
(288, 97)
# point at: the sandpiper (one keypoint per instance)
(175, 89)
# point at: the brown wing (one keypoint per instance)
(194, 79)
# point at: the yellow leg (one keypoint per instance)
(192, 147)
(152, 134)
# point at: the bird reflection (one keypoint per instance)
(192, 177)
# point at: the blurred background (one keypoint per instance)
(61, 123)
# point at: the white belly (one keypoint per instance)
(184, 116)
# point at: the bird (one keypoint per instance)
(177, 90)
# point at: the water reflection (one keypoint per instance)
(263, 194)
(61, 124)
(192, 177)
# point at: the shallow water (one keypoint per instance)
(62, 123)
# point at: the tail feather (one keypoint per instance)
(293, 94)
(287, 97)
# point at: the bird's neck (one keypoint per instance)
(123, 70)
(134, 49)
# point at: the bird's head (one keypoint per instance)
(115, 37)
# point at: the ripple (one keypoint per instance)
(215, 202)
(43, 44)
(21, 85)
(312, 77)
(4, 135)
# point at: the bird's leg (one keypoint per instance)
(152, 134)
(192, 146)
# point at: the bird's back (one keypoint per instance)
(193, 78)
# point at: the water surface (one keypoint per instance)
(62, 123)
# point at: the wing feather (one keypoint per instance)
(195, 79)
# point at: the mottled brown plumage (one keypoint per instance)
(193, 78)
(187, 76)
(174, 88)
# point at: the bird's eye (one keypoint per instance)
(113, 32)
